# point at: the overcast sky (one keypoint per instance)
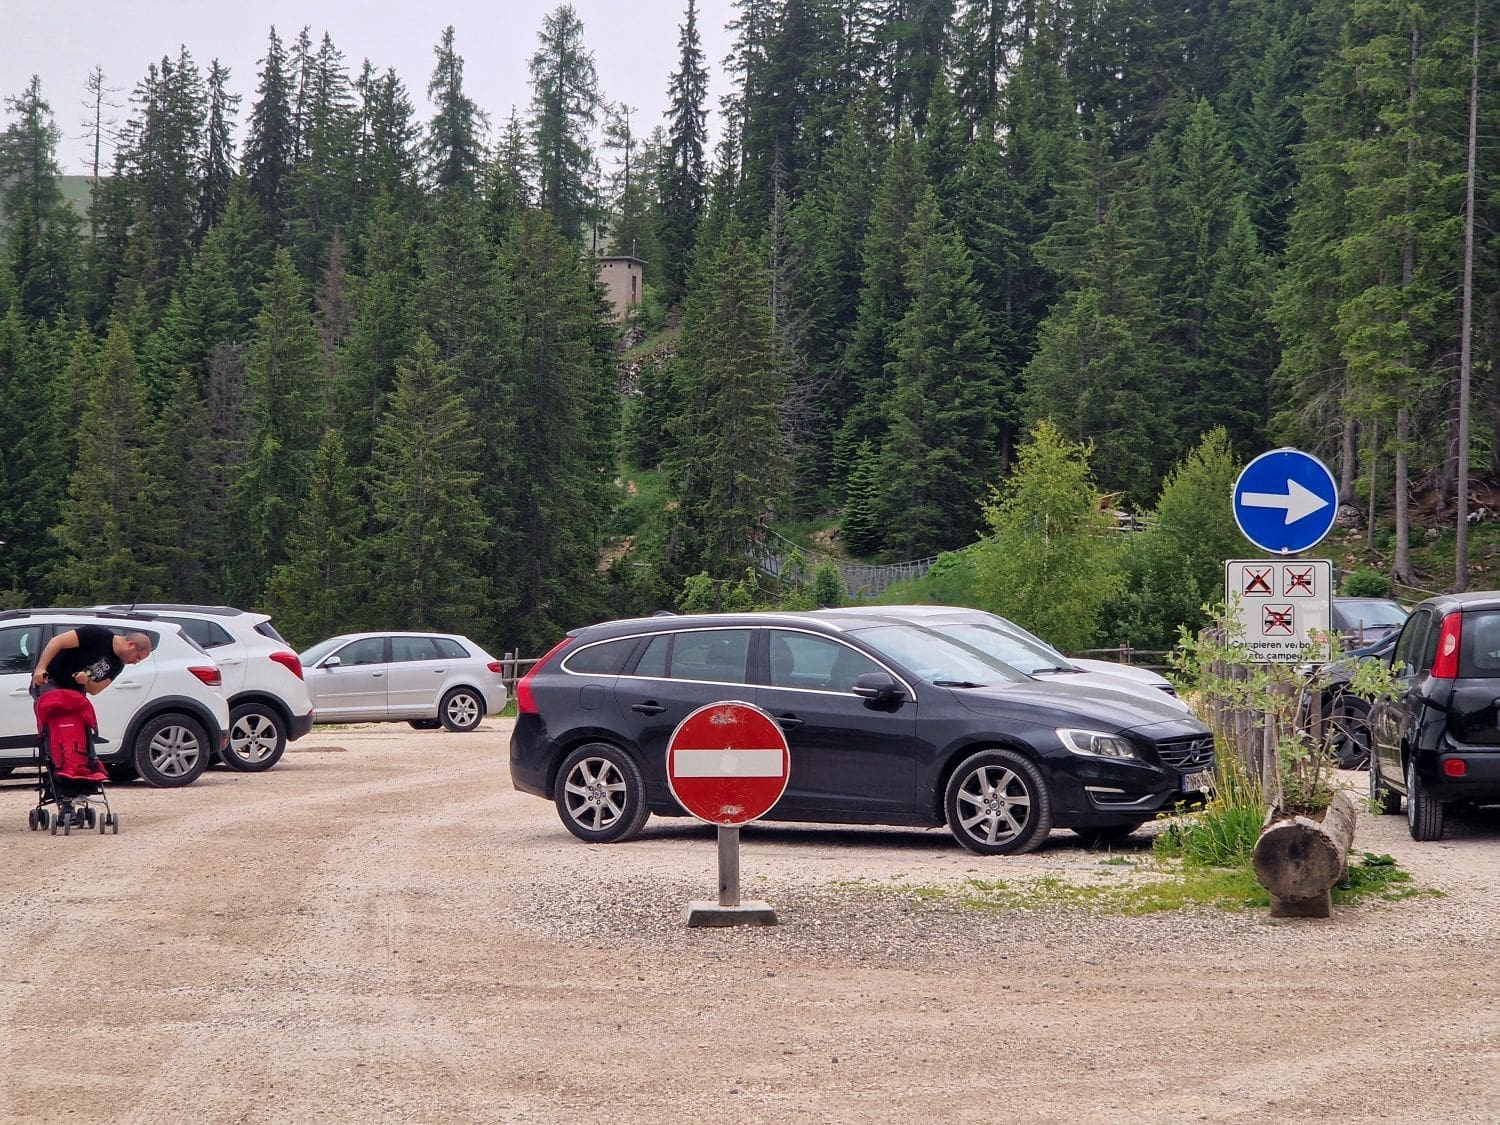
(634, 47)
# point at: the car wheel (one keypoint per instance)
(1350, 739)
(997, 804)
(1385, 801)
(424, 724)
(461, 709)
(257, 738)
(171, 751)
(600, 794)
(1424, 814)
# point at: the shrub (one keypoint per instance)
(1365, 582)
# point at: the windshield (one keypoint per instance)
(1376, 613)
(1007, 648)
(311, 656)
(936, 659)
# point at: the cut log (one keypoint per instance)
(1299, 859)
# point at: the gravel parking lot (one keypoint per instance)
(382, 929)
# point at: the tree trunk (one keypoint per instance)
(1465, 348)
(1348, 463)
(1299, 859)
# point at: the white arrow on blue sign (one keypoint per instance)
(1285, 501)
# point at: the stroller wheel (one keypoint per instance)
(43, 818)
(114, 823)
(103, 823)
(56, 824)
(67, 823)
(89, 816)
(31, 820)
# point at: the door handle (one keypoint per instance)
(440, 671)
(376, 675)
(787, 722)
(129, 685)
(21, 691)
(648, 708)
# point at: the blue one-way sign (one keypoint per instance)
(1285, 501)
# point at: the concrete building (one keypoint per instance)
(622, 276)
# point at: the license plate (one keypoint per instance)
(1200, 782)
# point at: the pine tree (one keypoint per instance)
(182, 454)
(684, 168)
(40, 232)
(455, 137)
(388, 137)
(564, 437)
(112, 520)
(271, 141)
(282, 373)
(863, 526)
(946, 405)
(431, 529)
(218, 155)
(34, 470)
(323, 588)
(731, 403)
(321, 188)
(564, 105)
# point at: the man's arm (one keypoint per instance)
(94, 687)
(54, 646)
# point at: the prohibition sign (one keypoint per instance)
(728, 763)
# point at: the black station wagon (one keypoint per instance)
(887, 722)
(1436, 739)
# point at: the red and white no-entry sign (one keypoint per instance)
(728, 763)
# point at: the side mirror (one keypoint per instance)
(331, 662)
(877, 685)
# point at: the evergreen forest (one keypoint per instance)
(946, 277)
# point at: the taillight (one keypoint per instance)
(209, 676)
(495, 666)
(525, 701)
(1445, 663)
(1455, 767)
(289, 661)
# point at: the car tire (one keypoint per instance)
(171, 751)
(1424, 813)
(997, 804)
(1386, 802)
(461, 709)
(424, 724)
(257, 738)
(600, 794)
(1350, 738)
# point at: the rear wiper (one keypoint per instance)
(955, 683)
(1055, 668)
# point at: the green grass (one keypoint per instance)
(1129, 887)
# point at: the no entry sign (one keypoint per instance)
(728, 763)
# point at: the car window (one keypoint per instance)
(604, 659)
(449, 649)
(1410, 647)
(370, 650)
(266, 629)
(1368, 613)
(653, 661)
(716, 655)
(19, 647)
(813, 663)
(1479, 645)
(413, 648)
(1007, 648)
(208, 634)
(936, 659)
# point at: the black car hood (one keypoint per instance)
(1063, 704)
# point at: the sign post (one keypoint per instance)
(727, 764)
(1285, 502)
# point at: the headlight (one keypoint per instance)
(1095, 743)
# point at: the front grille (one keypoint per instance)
(1187, 754)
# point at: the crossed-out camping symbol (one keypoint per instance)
(1298, 583)
(1278, 621)
(1258, 581)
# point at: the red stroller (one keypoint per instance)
(70, 776)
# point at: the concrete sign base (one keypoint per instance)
(750, 913)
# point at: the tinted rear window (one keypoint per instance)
(266, 629)
(1479, 645)
(604, 659)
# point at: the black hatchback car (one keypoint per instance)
(888, 723)
(1436, 740)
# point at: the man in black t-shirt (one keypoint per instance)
(87, 659)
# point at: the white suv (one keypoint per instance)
(162, 719)
(269, 704)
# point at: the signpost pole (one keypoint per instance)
(729, 865)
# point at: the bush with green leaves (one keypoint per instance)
(1365, 582)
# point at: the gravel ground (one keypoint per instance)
(382, 929)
